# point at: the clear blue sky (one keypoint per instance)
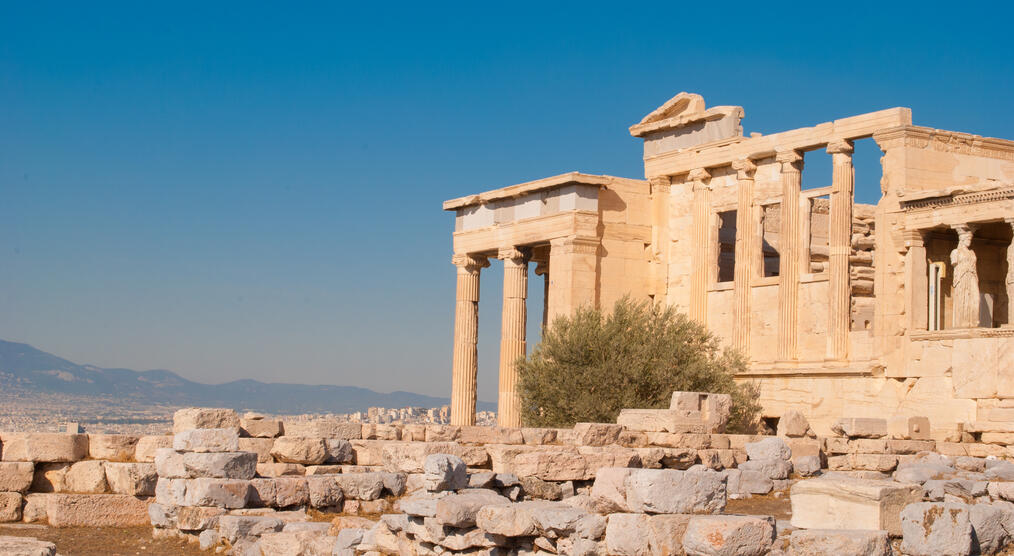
(249, 189)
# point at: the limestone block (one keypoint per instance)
(169, 464)
(261, 493)
(394, 483)
(753, 482)
(771, 468)
(847, 503)
(361, 486)
(221, 493)
(324, 492)
(323, 428)
(413, 432)
(144, 451)
(170, 492)
(861, 427)
(653, 420)
(910, 446)
(444, 472)
(537, 517)
(442, 433)
(293, 449)
(206, 440)
(44, 447)
(84, 510)
(222, 465)
(16, 476)
(260, 446)
(559, 463)
(768, 449)
(867, 446)
(538, 437)
(596, 434)
(86, 477)
(990, 523)
(291, 491)
(163, 517)
(112, 447)
(408, 457)
(280, 469)
(235, 527)
(820, 542)
(490, 435)
(536, 488)
(933, 528)
(374, 431)
(421, 504)
(137, 479)
(26, 546)
(794, 424)
(671, 491)
(918, 472)
(628, 534)
(459, 510)
(10, 506)
(999, 470)
(204, 418)
(192, 518)
(34, 508)
(339, 451)
(908, 428)
(806, 466)
(732, 535)
(346, 540)
(260, 428)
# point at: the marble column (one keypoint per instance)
(701, 240)
(788, 257)
(466, 329)
(573, 276)
(542, 269)
(916, 280)
(840, 247)
(1010, 276)
(512, 333)
(965, 281)
(745, 254)
(660, 192)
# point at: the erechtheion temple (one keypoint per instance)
(843, 309)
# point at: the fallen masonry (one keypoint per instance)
(594, 489)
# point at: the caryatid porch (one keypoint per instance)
(560, 224)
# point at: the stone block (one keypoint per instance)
(421, 504)
(221, 465)
(291, 491)
(16, 476)
(323, 428)
(362, 486)
(163, 517)
(295, 449)
(933, 528)
(806, 466)
(260, 428)
(220, 493)
(847, 503)
(136, 479)
(10, 506)
(44, 447)
(538, 437)
(204, 418)
(490, 435)
(262, 493)
(260, 446)
(324, 492)
(169, 464)
(905, 447)
(26, 546)
(729, 535)
(536, 488)
(235, 527)
(86, 477)
(34, 508)
(821, 542)
(194, 518)
(144, 451)
(280, 470)
(296, 543)
(990, 523)
(394, 483)
(793, 424)
(771, 468)
(628, 535)
(459, 510)
(596, 434)
(206, 440)
(339, 451)
(908, 428)
(537, 517)
(171, 492)
(112, 447)
(444, 472)
(85, 510)
(861, 427)
(770, 448)
(671, 491)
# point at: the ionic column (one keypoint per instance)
(701, 238)
(660, 188)
(916, 280)
(966, 280)
(745, 169)
(466, 329)
(512, 333)
(1010, 276)
(788, 269)
(840, 247)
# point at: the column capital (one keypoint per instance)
(913, 238)
(660, 183)
(516, 255)
(541, 268)
(699, 176)
(585, 245)
(469, 262)
(789, 159)
(964, 230)
(840, 146)
(744, 168)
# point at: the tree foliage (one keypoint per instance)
(591, 365)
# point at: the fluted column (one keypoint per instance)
(745, 169)
(1010, 276)
(465, 363)
(788, 257)
(512, 333)
(840, 247)
(701, 238)
(660, 189)
(542, 269)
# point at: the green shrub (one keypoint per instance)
(591, 365)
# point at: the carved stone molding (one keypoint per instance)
(469, 262)
(701, 178)
(840, 147)
(578, 245)
(945, 141)
(790, 159)
(660, 184)
(744, 168)
(514, 255)
(956, 200)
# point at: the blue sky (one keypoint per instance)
(243, 189)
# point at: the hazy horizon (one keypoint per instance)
(234, 190)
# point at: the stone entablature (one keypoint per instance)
(841, 308)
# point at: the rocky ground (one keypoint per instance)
(103, 541)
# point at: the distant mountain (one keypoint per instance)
(23, 367)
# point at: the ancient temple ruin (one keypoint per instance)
(896, 309)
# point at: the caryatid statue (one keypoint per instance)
(966, 281)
